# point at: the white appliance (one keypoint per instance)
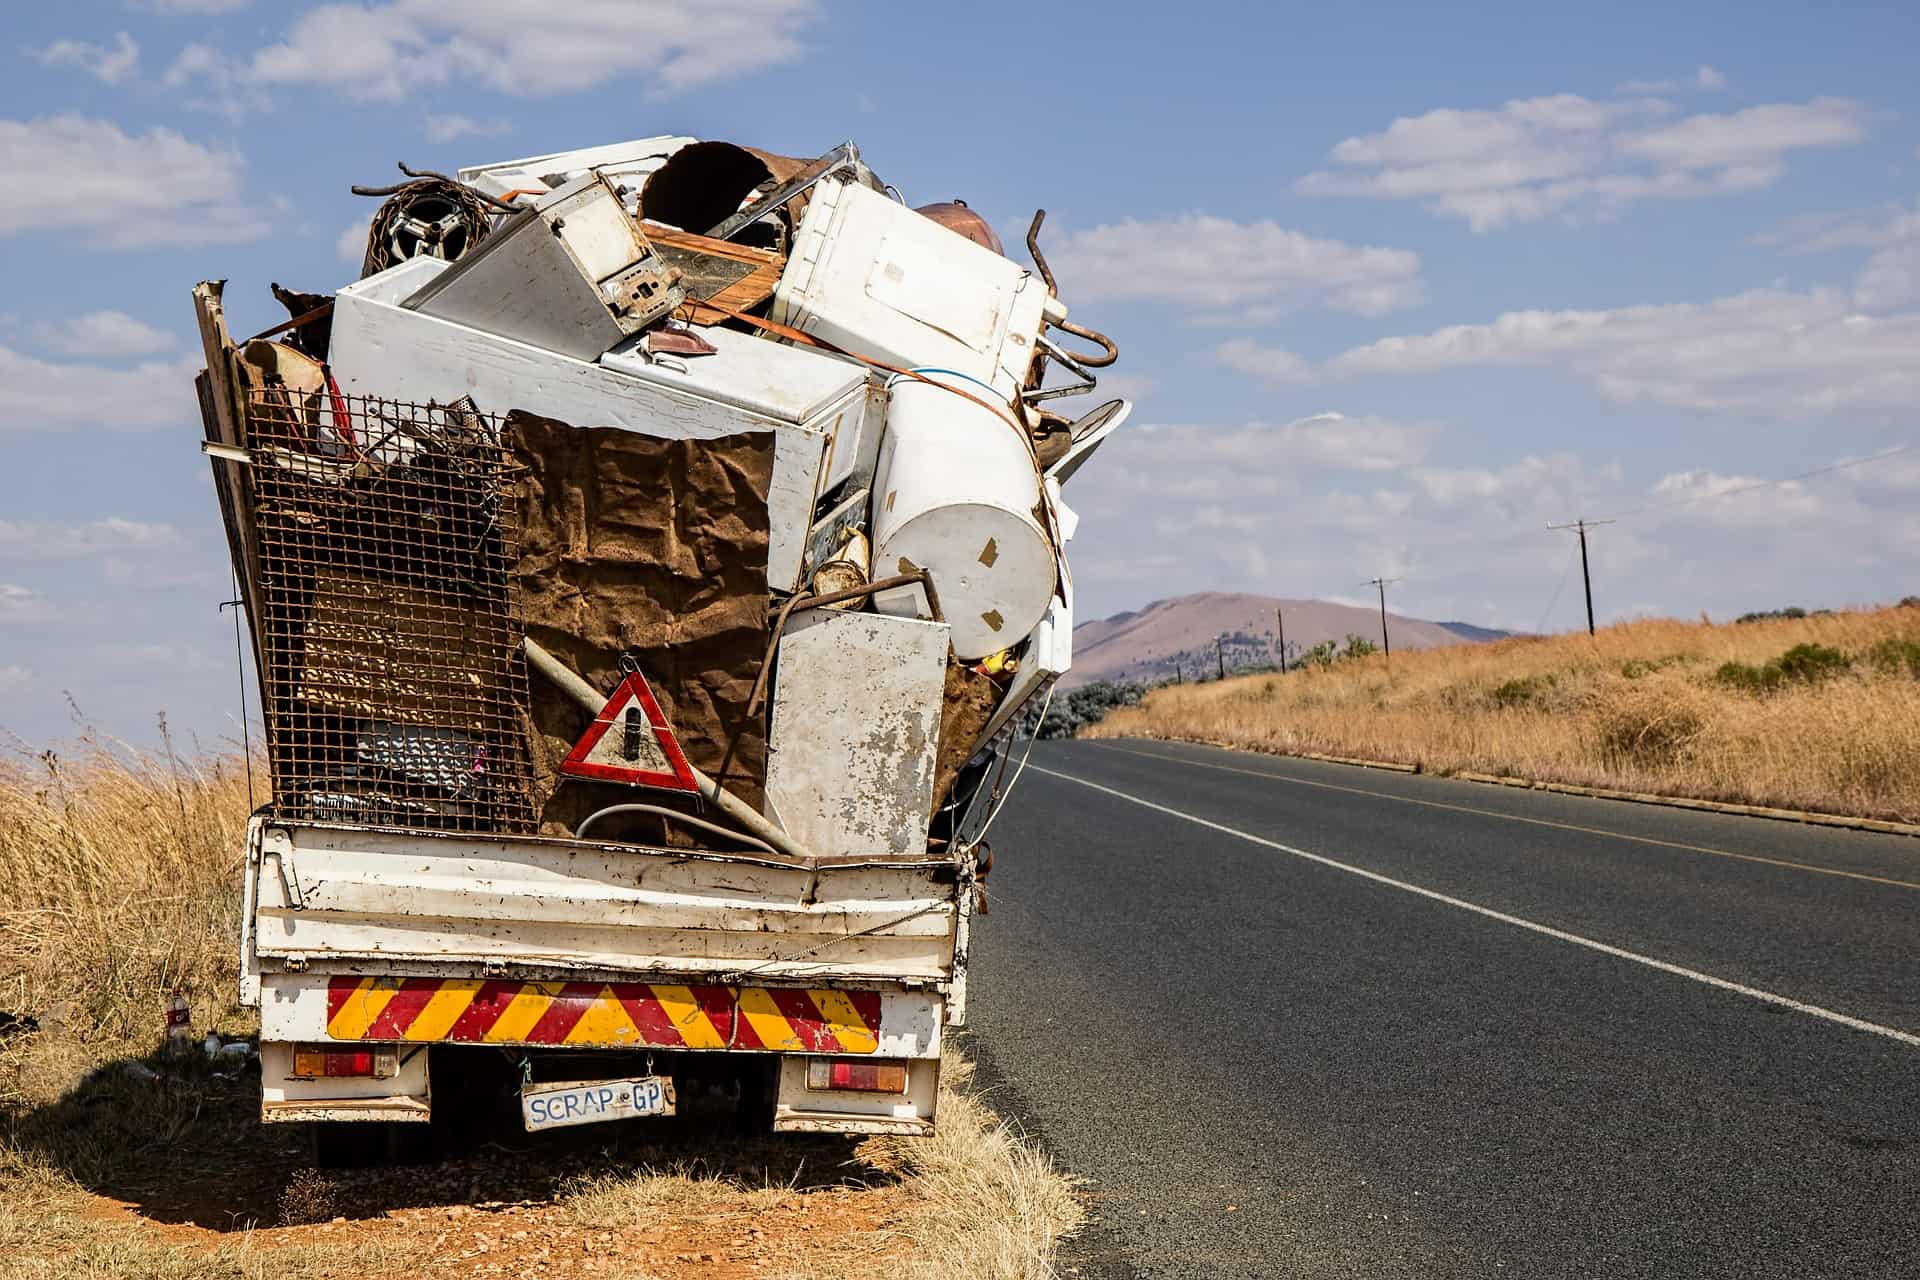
(875, 278)
(812, 403)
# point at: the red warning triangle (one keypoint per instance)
(630, 741)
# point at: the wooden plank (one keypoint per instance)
(733, 275)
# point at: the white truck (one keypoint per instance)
(419, 933)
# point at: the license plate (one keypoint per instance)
(554, 1106)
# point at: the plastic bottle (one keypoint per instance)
(179, 1021)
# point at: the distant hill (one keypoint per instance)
(1476, 635)
(1150, 644)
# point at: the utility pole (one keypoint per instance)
(1220, 652)
(1280, 621)
(1581, 527)
(1383, 583)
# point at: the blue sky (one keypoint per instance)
(1395, 285)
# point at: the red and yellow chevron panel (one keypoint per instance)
(603, 1014)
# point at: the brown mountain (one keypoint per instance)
(1148, 644)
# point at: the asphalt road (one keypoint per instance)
(1416, 1059)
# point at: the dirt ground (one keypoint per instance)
(126, 1176)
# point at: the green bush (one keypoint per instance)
(1896, 654)
(1804, 664)
(1358, 647)
(1812, 663)
(1521, 691)
(1769, 615)
(1086, 705)
(1321, 655)
(1745, 678)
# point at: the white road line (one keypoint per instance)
(1755, 993)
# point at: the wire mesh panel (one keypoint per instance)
(392, 676)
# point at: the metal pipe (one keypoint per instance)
(1039, 259)
(568, 681)
(580, 832)
(1110, 350)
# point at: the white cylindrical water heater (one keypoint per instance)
(957, 493)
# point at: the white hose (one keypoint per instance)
(580, 832)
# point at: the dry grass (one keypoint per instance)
(119, 877)
(982, 1203)
(991, 1206)
(1640, 707)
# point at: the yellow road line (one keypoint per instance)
(1514, 817)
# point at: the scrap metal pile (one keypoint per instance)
(669, 491)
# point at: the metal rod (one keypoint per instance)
(569, 682)
(845, 153)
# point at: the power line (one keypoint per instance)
(1565, 573)
(1831, 467)
(1581, 526)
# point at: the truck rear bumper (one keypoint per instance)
(342, 1013)
(835, 1019)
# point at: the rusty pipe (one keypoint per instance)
(1040, 259)
(1110, 351)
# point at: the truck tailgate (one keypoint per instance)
(345, 899)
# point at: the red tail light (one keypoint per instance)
(856, 1075)
(313, 1061)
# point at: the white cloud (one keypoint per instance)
(225, 90)
(110, 65)
(1765, 351)
(158, 188)
(189, 8)
(38, 394)
(1574, 157)
(1750, 500)
(1329, 441)
(1310, 508)
(103, 334)
(13, 676)
(1256, 268)
(351, 246)
(1274, 366)
(451, 128)
(22, 540)
(22, 604)
(391, 51)
(1704, 77)
(1891, 276)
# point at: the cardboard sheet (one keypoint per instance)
(658, 549)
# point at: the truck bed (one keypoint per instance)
(349, 899)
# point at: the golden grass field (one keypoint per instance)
(119, 878)
(1642, 706)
